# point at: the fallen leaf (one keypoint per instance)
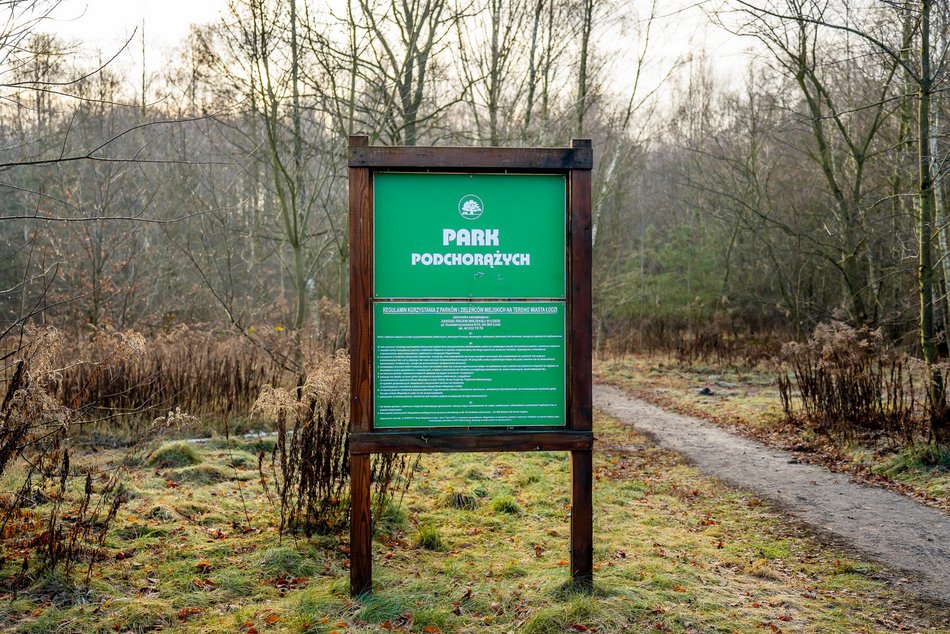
(216, 533)
(431, 629)
(186, 613)
(202, 584)
(288, 582)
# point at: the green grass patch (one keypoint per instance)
(284, 560)
(915, 460)
(460, 500)
(429, 538)
(202, 475)
(505, 504)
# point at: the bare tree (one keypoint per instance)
(795, 45)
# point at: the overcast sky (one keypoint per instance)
(107, 24)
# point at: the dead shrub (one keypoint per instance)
(723, 340)
(309, 466)
(47, 521)
(850, 384)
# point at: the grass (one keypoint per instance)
(674, 552)
(748, 400)
(429, 538)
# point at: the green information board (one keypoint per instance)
(468, 236)
(487, 253)
(469, 364)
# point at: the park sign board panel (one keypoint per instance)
(469, 364)
(470, 316)
(470, 236)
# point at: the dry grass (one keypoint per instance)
(202, 373)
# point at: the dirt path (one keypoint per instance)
(888, 527)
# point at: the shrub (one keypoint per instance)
(309, 465)
(850, 384)
(200, 372)
(68, 524)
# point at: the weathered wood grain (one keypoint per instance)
(449, 441)
(361, 538)
(580, 297)
(361, 280)
(471, 159)
(582, 519)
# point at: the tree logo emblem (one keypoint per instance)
(471, 206)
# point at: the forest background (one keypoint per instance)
(213, 191)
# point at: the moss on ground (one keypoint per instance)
(174, 454)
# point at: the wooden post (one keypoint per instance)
(582, 519)
(361, 275)
(582, 466)
(361, 538)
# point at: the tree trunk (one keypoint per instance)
(925, 268)
(582, 79)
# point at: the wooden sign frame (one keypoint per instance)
(575, 163)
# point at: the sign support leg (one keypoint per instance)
(582, 520)
(361, 538)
